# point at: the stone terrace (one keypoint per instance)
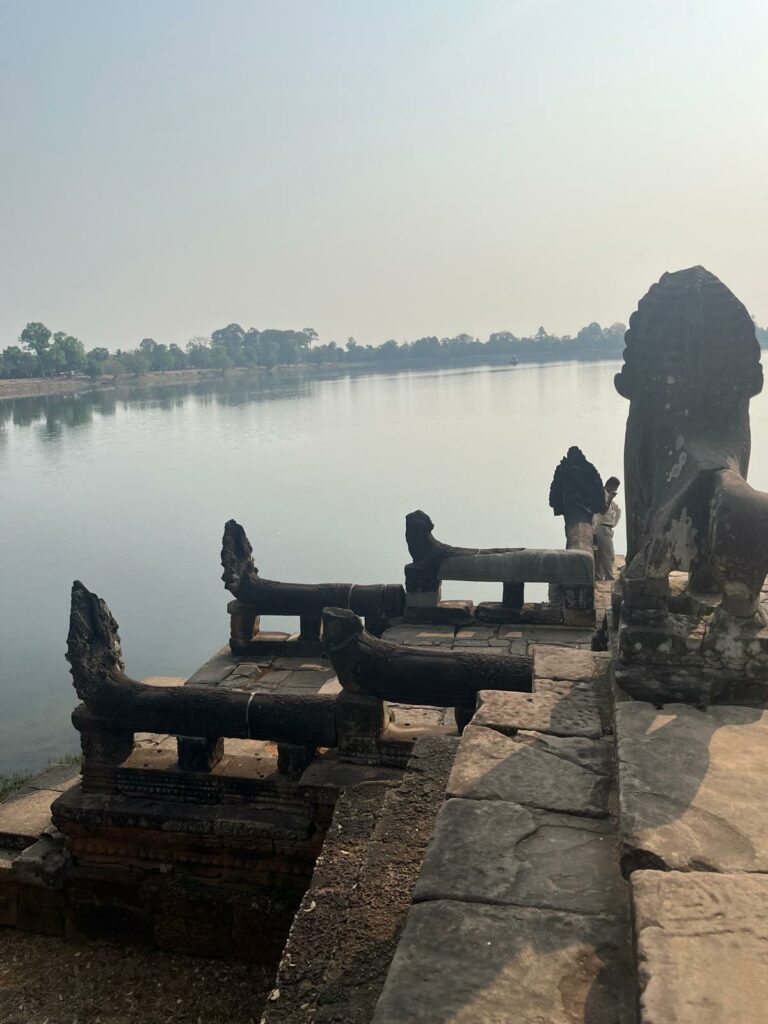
(519, 902)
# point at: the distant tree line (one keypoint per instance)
(41, 353)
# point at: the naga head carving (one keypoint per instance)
(236, 556)
(418, 534)
(93, 642)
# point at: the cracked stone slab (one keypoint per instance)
(702, 947)
(565, 774)
(56, 777)
(693, 787)
(473, 964)
(554, 662)
(216, 669)
(561, 714)
(490, 851)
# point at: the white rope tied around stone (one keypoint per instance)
(248, 715)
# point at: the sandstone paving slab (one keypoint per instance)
(702, 947)
(416, 636)
(25, 816)
(693, 787)
(415, 716)
(490, 851)
(432, 636)
(216, 668)
(559, 636)
(565, 774)
(301, 681)
(566, 714)
(164, 681)
(301, 664)
(553, 662)
(467, 963)
(58, 777)
(475, 636)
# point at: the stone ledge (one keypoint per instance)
(473, 964)
(553, 662)
(560, 714)
(702, 947)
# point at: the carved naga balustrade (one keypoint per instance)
(577, 494)
(379, 603)
(370, 672)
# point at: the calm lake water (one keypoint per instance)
(130, 495)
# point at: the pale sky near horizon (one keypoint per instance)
(375, 169)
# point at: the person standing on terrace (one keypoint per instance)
(603, 524)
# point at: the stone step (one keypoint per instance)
(25, 816)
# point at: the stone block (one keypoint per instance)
(578, 616)
(474, 636)
(405, 634)
(496, 612)
(702, 947)
(25, 816)
(422, 599)
(555, 773)
(199, 753)
(360, 715)
(693, 787)
(489, 851)
(43, 863)
(568, 714)
(57, 778)
(473, 964)
(666, 642)
(304, 681)
(164, 681)
(554, 662)
(444, 613)
(216, 668)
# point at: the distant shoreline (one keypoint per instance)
(34, 387)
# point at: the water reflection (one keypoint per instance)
(78, 409)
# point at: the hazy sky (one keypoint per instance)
(378, 169)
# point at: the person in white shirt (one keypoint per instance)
(602, 525)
